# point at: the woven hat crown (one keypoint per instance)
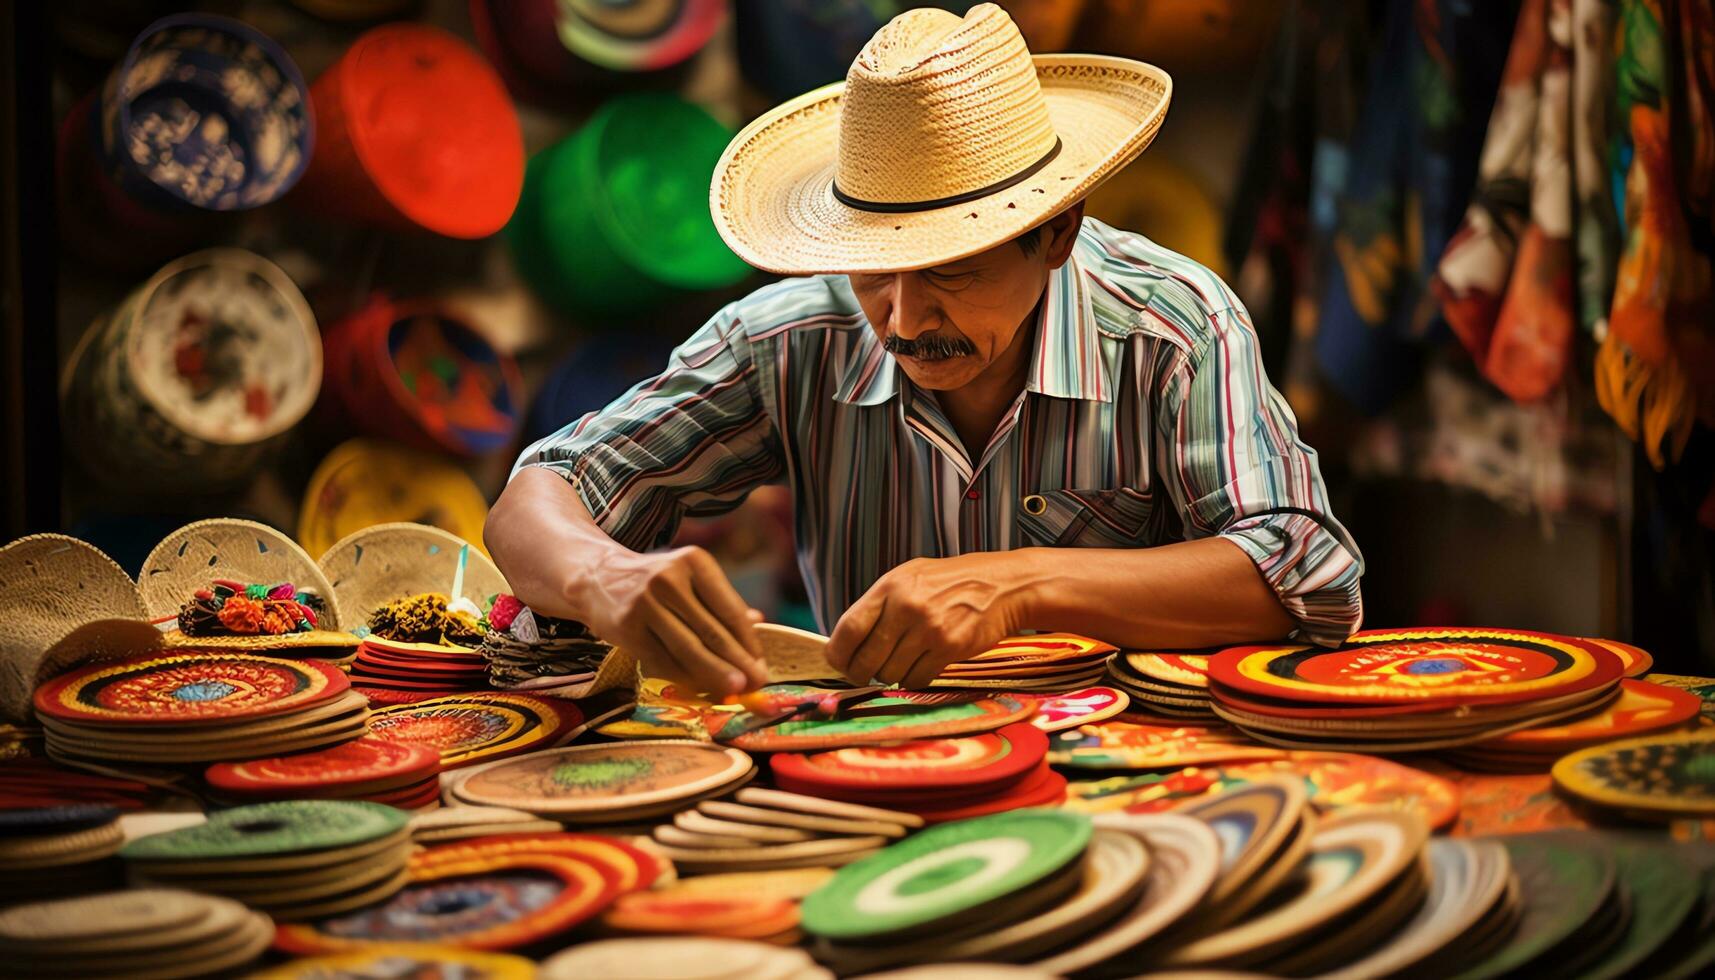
(938, 107)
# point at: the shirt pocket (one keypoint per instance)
(1085, 518)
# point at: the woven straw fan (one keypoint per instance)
(62, 603)
(244, 551)
(374, 566)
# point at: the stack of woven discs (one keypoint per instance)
(1364, 875)
(1265, 829)
(177, 707)
(35, 782)
(392, 672)
(1654, 779)
(65, 850)
(1641, 708)
(938, 779)
(620, 782)
(960, 884)
(1044, 662)
(765, 830)
(420, 646)
(1172, 684)
(464, 822)
(495, 893)
(294, 859)
(470, 728)
(395, 773)
(527, 652)
(1410, 690)
(150, 932)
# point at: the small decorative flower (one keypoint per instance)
(241, 614)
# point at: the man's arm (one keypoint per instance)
(674, 609)
(575, 530)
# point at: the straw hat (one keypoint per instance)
(248, 552)
(375, 566)
(946, 139)
(62, 603)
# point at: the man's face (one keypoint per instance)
(949, 324)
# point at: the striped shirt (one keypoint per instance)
(1146, 419)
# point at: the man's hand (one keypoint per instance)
(675, 610)
(928, 613)
(679, 614)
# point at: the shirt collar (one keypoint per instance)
(1067, 362)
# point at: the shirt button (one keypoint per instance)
(973, 494)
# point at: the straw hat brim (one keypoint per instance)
(375, 566)
(772, 194)
(248, 552)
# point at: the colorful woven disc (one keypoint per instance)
(263, 829)
(469, 728)
(1406, 666)
(364, 760)
(404, 960)
(1055, 712)
(943, 872)
(1635, 661)
(596, 778)
(1183, 669)
(1667, 773)
(989, 759)
(890, 719)
(493, 902)
(176, 688)
(1642, 707)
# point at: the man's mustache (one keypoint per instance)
(929, 347)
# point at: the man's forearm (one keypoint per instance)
(1185, 595)
(540, 515)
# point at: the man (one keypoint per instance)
(993, 414)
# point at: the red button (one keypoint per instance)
(973, 494)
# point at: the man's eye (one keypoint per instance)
(951, 279)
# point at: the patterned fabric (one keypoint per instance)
(1412, 162)
(1505, 280)
(1146, 419)
(1655, 371)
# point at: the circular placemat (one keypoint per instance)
(1563, 886)
(1661, 774)
(890, 719)
(594, 778)
(1254, 822)
(50, 820)
(364, 761)
(420, 960)
(989, 759)
(472, 728)
(176, 688)
(365, 482)
(71, 922)
(263, 829)
(943, 872)
(680, 957)
(1634, 661)
(1405, 666)
(1180, 669)
(1642, 707)
(1070, 709)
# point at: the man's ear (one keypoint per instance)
(1062, 234)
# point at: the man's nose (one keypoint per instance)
(912, 313)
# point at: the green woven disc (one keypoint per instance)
(263, 829)
(945, 871)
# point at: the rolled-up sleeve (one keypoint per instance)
(1234, 465)
(694, 439)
